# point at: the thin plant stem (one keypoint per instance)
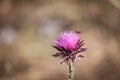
(71, 71)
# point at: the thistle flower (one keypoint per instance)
(69, 46)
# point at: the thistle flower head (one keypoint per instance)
(67, 40)
(69, 46)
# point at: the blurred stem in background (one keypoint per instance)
(116, 3)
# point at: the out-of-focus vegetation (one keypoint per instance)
(28, 29)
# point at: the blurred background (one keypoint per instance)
(28, 29)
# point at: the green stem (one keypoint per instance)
(71, 71)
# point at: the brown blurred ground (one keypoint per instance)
(28, 29)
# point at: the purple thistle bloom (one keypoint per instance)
(69, 46)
